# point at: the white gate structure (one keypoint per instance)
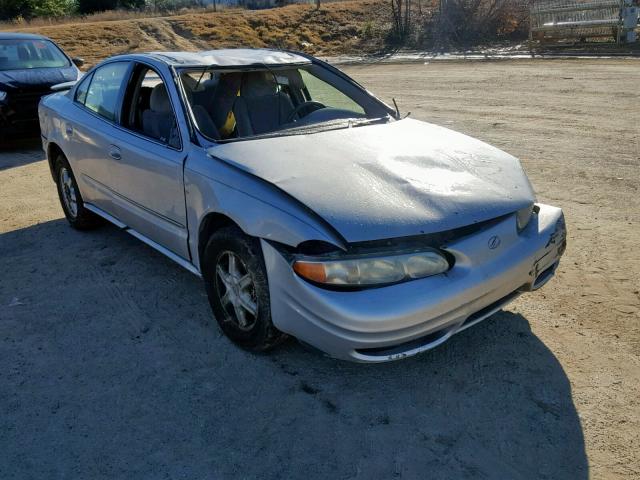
(583, 20)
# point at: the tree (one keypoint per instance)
(10, 9)
(53, 8)
(91, 6)
(401, 11)
(15, 8)
(131, 4)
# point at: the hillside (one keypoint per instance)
(345, 27)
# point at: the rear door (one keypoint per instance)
(149, 152)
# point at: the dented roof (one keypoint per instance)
(233, 57)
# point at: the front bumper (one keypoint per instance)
(19, 117)
(398, 321)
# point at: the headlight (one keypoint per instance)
(523, 216)
(3, 95)
(371, 271)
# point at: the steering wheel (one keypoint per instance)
(303, 106)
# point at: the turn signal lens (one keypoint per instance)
(311, 271)
(369, 271)
(523, 216)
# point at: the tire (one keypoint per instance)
(70, 198)
(234, 291)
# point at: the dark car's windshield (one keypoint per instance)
(232, 104)
(18, 54)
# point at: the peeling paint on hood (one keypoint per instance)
(392, 180)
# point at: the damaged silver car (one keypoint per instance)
(309, 207)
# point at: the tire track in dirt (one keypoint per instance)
(162, 34)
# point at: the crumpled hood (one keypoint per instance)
(35, 78)
(391, 180)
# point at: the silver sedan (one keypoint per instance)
(309, 207)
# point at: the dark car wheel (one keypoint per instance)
(71, 200)
(236, 283)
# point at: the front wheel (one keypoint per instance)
(236, 282)
(71, 200)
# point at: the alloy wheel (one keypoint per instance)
(68, 192)
(236, 290)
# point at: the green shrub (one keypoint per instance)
(53, 8)
(26, 9)
(92, 6)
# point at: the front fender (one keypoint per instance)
(257, 207)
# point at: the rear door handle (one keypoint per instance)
(114, 152)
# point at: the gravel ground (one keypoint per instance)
(111, 365)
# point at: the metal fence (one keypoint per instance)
(615, 20)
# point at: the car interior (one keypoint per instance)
(226, 104)
(151, 112)
(247, 103)
(21, 54)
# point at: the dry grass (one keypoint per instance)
(333, 29)
(106, 16)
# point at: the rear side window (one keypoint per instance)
(101, 92)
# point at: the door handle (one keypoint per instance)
(114, 152)
(69, 130)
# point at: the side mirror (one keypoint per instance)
(77, 61)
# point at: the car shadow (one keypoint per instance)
(113, 366)
(19, 152)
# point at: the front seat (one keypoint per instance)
(159, 121)
(204, 123)
(261, 107)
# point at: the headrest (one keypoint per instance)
(295, 78)
(259, 84)
(231, 81)
(210, 84)
(159, 100)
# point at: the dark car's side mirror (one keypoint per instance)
(77, 61)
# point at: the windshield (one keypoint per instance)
(18, 54)
(234, 104)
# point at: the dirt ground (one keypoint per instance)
(111, 365)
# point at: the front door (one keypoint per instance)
(147, 168)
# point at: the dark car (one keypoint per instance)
(29, 66)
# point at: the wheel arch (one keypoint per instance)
(210, 224)
(53, 150)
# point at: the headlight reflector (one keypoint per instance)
(523, 216)
(371, 271)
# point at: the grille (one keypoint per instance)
(25, 105)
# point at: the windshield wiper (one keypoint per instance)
(368, 121)
(327, 125)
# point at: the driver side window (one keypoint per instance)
(148, 108)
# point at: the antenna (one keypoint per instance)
(397, 109)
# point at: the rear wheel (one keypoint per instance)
(71, 200)
(236, 282)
